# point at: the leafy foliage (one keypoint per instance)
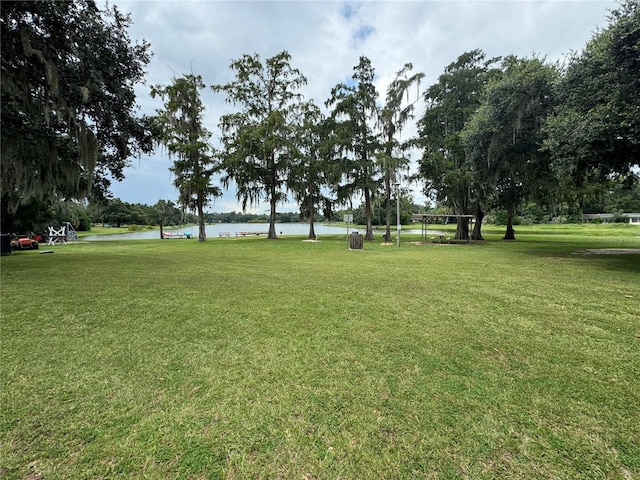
(310, 173)
(68, 102)
(354, 112)
(393, 117)
(596, 129)
(188, 141)
(506, 133)
(450, 104)
(258, 140)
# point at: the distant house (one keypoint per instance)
(633, 218)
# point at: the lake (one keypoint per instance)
(214, 230)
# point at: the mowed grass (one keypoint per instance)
(249, 358)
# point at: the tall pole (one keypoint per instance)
(398, 211)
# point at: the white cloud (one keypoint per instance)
(325, 40)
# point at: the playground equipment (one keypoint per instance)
(69, 231)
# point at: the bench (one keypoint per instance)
(224, 234)
(244, 234)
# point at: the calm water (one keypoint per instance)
(214, 230)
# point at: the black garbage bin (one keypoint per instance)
(5, 242)
(355, 241)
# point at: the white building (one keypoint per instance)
(632, 218)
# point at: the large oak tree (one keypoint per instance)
(505, 135)
(69, 119)
(595, 132)
(444, 168)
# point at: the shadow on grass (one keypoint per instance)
(611, 259)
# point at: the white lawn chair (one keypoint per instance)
(57, 236)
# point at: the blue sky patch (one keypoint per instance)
(349, 10)
(362, 33)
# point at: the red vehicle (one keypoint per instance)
(24, 243)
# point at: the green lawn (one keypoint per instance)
(249, 358)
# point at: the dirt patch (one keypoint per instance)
(31, 475)
(438, 243)
(609, 251)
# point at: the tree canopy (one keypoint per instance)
(505, 134)
(355, 111)
(68, 103)
(182, 131)
(450, 103)
(393, 117)
(310, 174)
(595, 131)
(495, 134)
(258, 140)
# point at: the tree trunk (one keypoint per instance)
(477, 228)
(461, 207)
(510, 234)
(272, 219)
(161, 233)
(367, 210)
(312, 233)
(202, 233)
(387, 234)
(272, 200)
(462, 229)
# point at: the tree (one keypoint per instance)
(393, 117)
(164, 213)
(354, 111)
(68, 101)
(118, 213)
(444, 167)
(310, 172)
(187, 140)
(258, 141)
(595, 132)
(507, 134)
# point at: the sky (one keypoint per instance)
(325, 40)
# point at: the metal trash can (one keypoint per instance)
(355, 241)
(5, 238)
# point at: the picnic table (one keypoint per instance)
(441, 238)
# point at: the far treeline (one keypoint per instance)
(116, 213)
(497, 137)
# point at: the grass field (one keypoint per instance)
(249, 358)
